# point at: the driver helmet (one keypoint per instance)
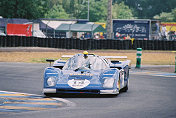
(85, 53)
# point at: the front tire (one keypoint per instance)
(125, 89)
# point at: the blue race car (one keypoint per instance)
(86, 73)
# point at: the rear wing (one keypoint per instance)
(67, 56)
(108, 57)
(115, 57)
(112, 59)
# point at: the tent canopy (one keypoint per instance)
(81, 28)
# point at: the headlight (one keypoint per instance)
(108, 83)
(51, 81)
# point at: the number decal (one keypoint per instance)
(78, 84)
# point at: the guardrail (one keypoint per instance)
(69, 43)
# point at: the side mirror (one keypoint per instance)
(50, 61)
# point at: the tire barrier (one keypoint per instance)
(86, 44)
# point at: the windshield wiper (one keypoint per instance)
(82, 68)
(77, 69)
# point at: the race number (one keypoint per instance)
(78, 84)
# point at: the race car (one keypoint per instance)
(88, 74)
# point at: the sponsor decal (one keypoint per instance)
(81, 74)
(78, 83)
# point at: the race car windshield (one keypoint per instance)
(80, 62)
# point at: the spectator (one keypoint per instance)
(157, 36)
(82, 36)
(96, 36)
(172, 35)
(87, 35)
(101, 37)
(164, 32)
(117, 35)
(128, 37)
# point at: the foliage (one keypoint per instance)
(174, 14)
(29, 9)
(121, 11)
(167, 17)
(98, 10)
(149, 8)
(57, 12)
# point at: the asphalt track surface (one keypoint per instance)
(150, 95)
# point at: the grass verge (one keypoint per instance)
(148, 57)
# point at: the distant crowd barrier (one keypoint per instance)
(88, 44)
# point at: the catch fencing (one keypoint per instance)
(88, 44)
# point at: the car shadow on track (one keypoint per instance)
(80, 96)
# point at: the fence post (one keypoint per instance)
(175, 63)
(138, 57)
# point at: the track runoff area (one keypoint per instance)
(13, 102)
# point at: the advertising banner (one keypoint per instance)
(138, 29)
(19, 29)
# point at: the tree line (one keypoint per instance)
(163, 10)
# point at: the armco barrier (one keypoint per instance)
(88, 44)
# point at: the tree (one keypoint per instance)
(121, 11)
(149, 8)
(174, 15)
(57, 12)
(78, 8)
(98, 10)
(167, 17)
(164, 17)
(33, 9)
(29, 9)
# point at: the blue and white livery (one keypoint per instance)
(91, 75)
